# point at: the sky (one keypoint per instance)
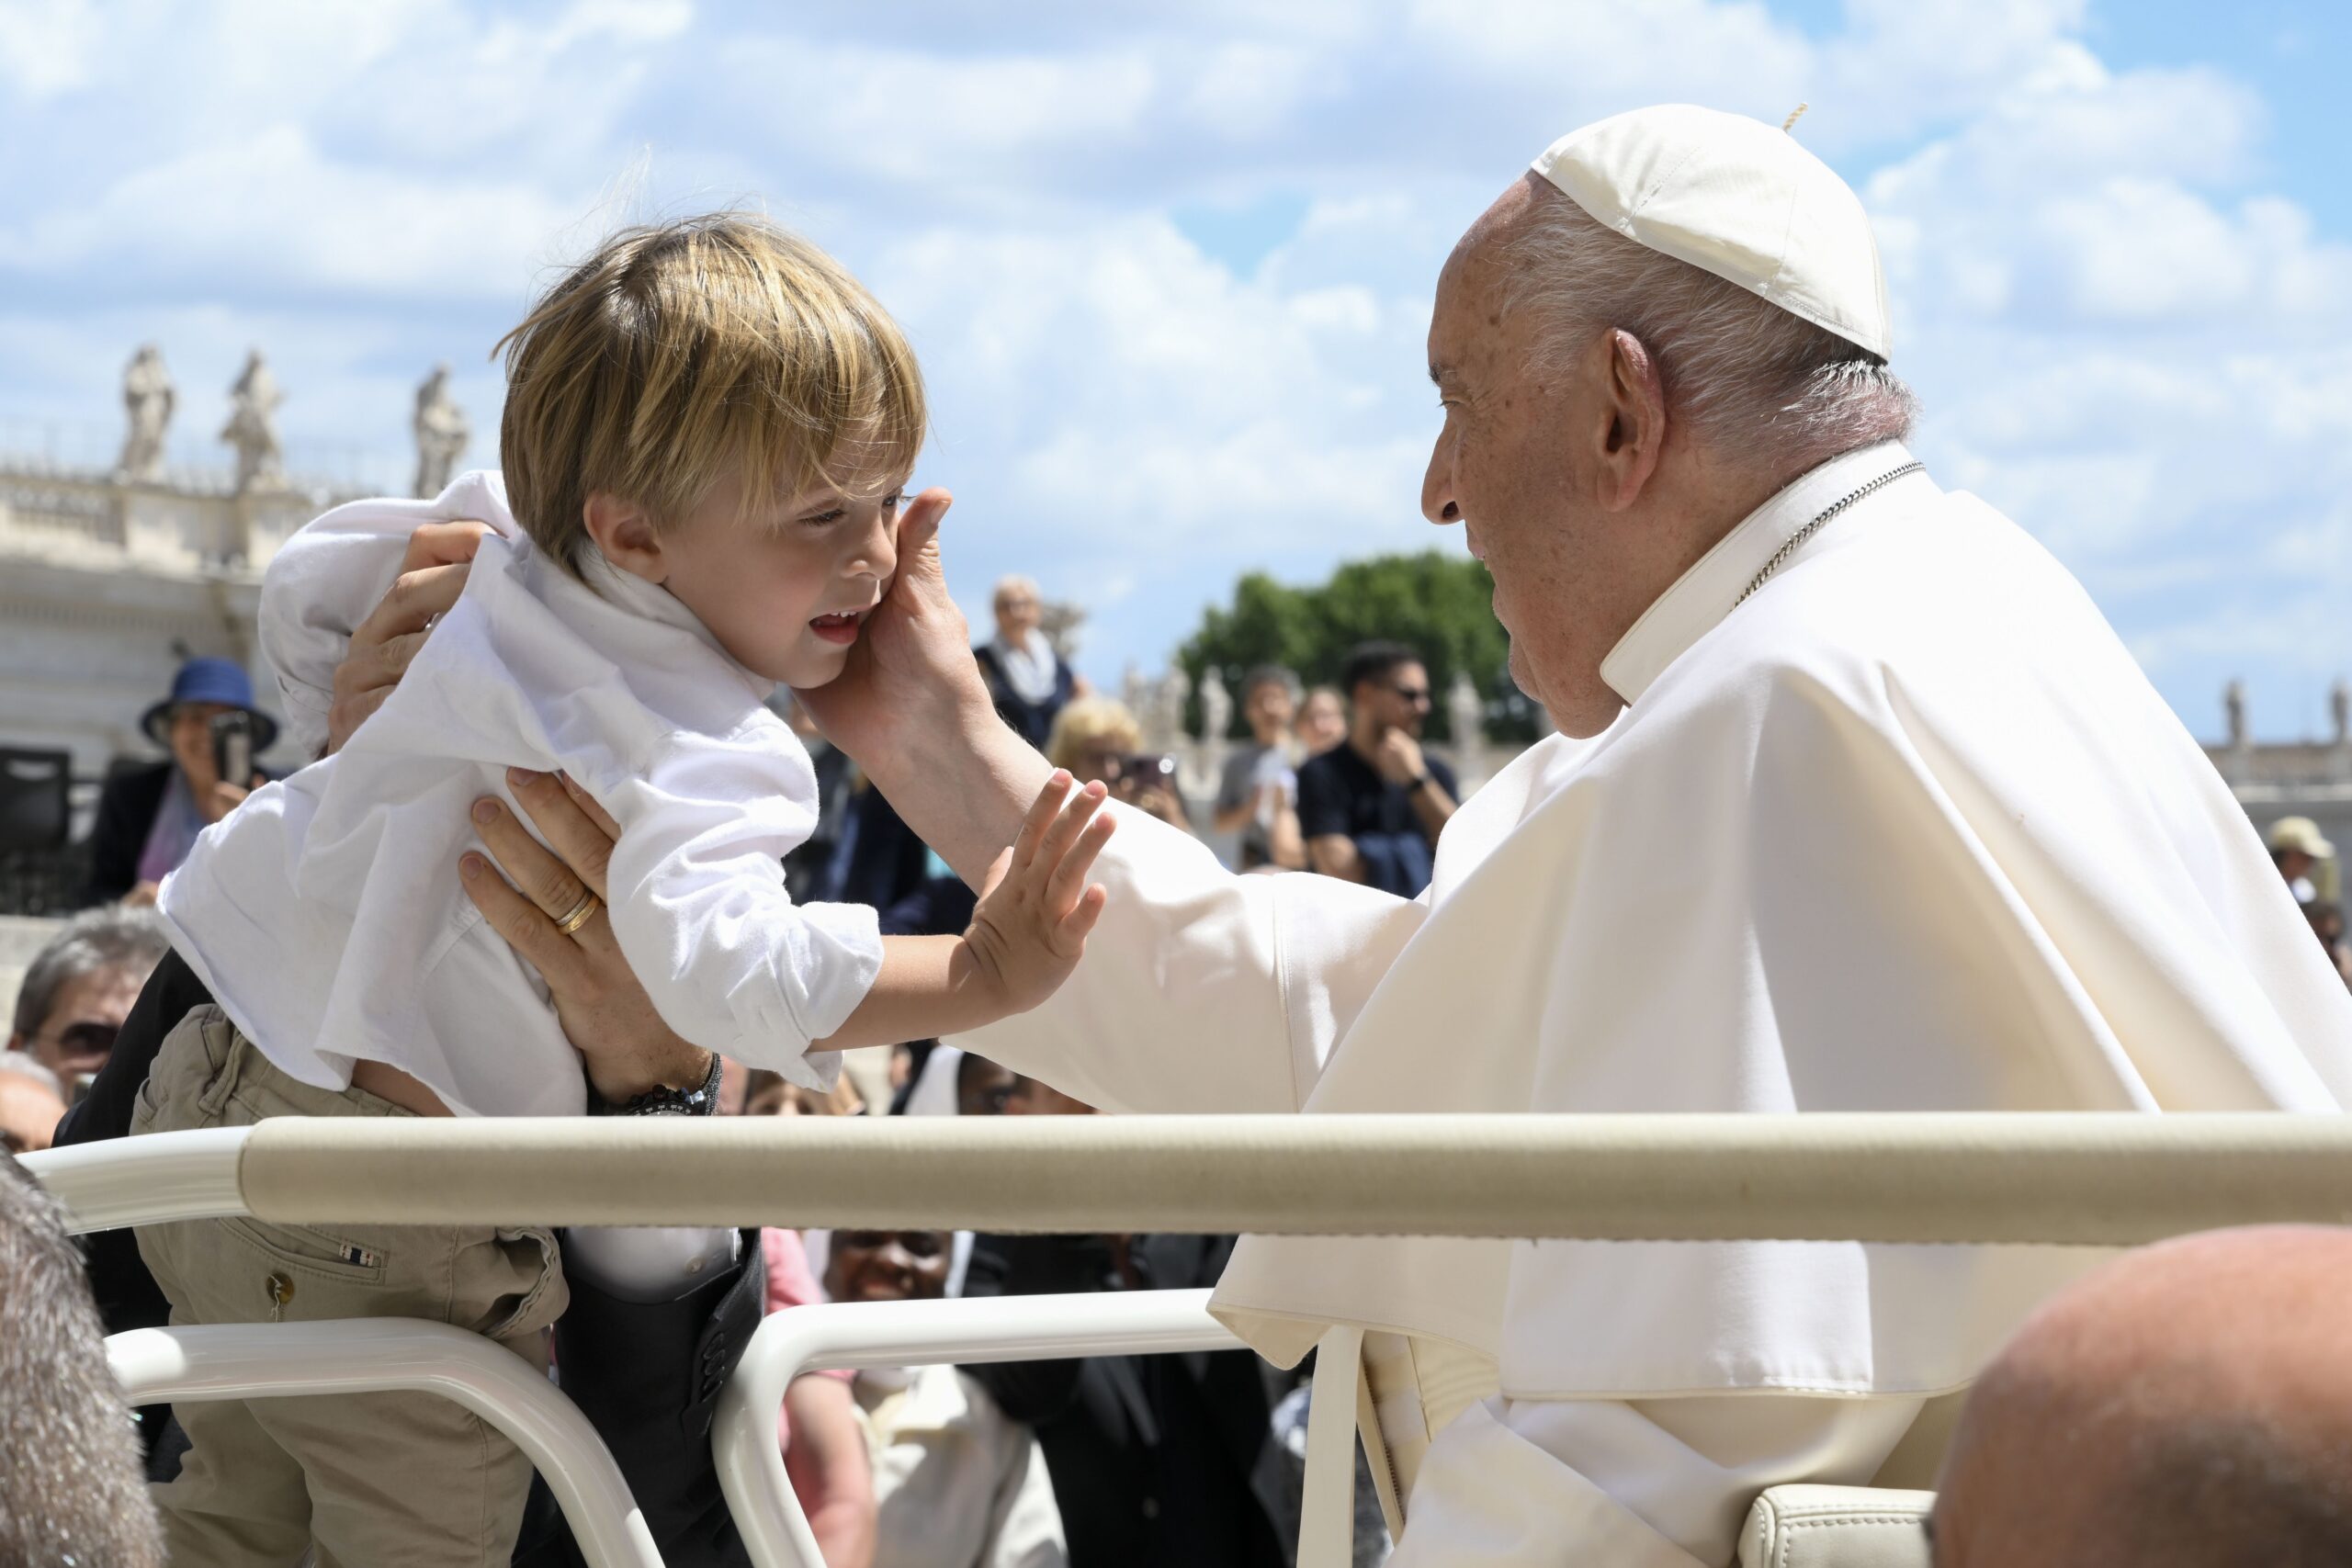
(1169, 268)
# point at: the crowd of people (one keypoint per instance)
(1150, 1459)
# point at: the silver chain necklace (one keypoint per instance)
(1781, 556)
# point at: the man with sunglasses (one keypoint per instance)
(80, 987)
(1371, 810)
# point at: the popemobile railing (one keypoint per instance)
(2065, 1179)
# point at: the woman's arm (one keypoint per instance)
(830, 1470)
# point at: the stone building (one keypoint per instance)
(107, 583)
(2294, 778)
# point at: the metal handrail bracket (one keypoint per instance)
(374, 1355)
(896, 1334)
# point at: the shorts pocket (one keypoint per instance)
(316, 1252)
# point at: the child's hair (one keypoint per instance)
(679, 348)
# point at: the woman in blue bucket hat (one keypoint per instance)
(149, 817)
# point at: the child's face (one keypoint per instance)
(786, 589)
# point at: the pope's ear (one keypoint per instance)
(1629, 428)
(624, 531)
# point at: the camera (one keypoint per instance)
(233, 747)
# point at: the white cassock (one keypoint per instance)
(1905, 831)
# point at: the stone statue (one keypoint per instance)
(2339, 708)
(2233, 709)
(149, 397)
(1163, 713)
(1466, 712)
(441, 432)
(1216, 710)
(252, 405)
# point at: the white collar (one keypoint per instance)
(1702, 596)
(655, 602)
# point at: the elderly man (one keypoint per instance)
(1857, 805)
(80, 987)
(2189, 1405)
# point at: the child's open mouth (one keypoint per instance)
(840, 628)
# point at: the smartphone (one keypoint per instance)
(233, 747)
(1144, 771)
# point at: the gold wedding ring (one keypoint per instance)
(571, 920)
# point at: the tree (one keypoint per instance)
(1441, 604)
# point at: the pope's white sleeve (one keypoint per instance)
(1647, 1483)
(1201, 990)
(700, 910)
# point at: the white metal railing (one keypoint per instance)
(2114, 1179)
(893, 1334)
(2062, 1178)
(378, 1355)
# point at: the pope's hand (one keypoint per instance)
(1029, 930)
(910, 676)
(1398, 758)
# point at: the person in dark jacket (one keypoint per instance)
(149, 817)
(1027, 680)
(1158, 1461)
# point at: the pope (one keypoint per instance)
(1857, 805)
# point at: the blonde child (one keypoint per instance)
(707, 426)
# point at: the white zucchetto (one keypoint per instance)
(1739, 198)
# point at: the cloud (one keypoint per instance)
(2120, 335)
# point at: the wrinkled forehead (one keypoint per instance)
(1466, 320)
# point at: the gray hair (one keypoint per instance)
(1759, 385)
(19, 1065)
(110, 937)
(72, 1488)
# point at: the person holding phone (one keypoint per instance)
(149, 818)
(1100, 741)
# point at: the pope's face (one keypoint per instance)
(1505, 468)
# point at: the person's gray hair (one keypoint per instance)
(1759, 386)
(110, 937)
(18, 1063)
(72, 1487)
(1270, 675)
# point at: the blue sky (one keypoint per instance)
(1169, 269)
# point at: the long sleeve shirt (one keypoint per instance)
(1891, 822)
(326, 914)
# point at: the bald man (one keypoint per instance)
(2189, 1405)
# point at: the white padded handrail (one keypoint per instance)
(904, 1334)
(374, 1355)
(2102, 1179)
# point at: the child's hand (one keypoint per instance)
(1029, 930)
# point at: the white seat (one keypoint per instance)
(1837, 1527)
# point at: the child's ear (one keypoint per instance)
(626, 535)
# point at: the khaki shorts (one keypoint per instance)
(384, 1477)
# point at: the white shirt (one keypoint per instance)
(1906, 830)
(326, 914)
(957, 1482)
(1030, 667)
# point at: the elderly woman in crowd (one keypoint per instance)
(1027, 681)
(80, 987)
(149, 817)
(1098, 740)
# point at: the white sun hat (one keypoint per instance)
(1739, 198)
